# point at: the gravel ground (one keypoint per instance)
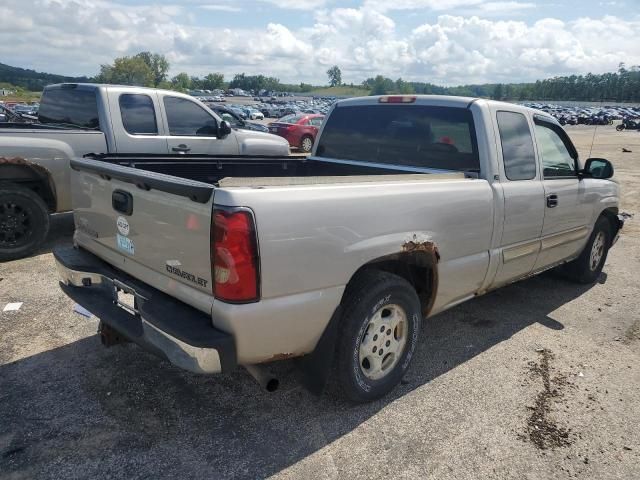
(536, 380)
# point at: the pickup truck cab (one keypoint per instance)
(77, 119)
(408, 206)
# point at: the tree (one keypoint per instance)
(498, 92)
(182, 81)
(335, 76)
(404, 87)
(380, 85)
(127, 71)
(213, 81)
(157, 63)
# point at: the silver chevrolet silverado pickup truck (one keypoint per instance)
(408, 206)
(76, 119)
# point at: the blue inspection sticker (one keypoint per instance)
(126, 244)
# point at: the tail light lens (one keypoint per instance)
(234, 256)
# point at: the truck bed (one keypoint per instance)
(255, 171)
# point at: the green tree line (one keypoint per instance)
(620, 86)
(151, 69)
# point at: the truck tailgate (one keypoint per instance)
(155, 227)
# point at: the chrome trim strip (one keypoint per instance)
(557, 239)
(513, 253)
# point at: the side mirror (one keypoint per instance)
(598, 168)
(224, 129)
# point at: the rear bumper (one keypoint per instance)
(159, 324)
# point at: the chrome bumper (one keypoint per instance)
(156, 322)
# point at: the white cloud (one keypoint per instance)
(218, 7)
(76, 36)
(297, 4)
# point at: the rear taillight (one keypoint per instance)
(234, 256)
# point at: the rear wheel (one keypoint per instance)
(24, 222)
(379, 334)
(587, 267)
(306, 144)
(620, 127)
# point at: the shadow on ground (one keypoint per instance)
(81, 411)
(60, 232)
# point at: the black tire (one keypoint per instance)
(306, 146)
(586, 268)
(620, 127)
(368, 294)
(24, 222)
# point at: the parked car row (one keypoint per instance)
(14, 111)
(583, 115)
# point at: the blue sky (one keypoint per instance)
(441, 41)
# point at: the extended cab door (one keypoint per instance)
(193, 129)
(136, 121)
(566, 207)
(523, 197)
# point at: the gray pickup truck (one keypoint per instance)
(77, 119)
(408, 206)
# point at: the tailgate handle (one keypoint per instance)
(122, 202)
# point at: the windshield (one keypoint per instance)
(408, 135)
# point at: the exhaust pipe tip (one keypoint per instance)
(272, 385)
(264, 377)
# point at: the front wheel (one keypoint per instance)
(378, 336)
(306, 144)
(24, 222)
(587, 267)
(620, 127)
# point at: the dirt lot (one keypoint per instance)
(536, 380)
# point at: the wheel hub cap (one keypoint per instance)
(597, 251)
(383, 341)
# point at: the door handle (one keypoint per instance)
(182, 148)
(552, 200)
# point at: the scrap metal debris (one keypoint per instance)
(12, 307)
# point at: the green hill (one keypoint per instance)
(32, 80)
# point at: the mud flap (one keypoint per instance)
(316, 366)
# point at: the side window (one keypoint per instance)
(186, 118)
(138, 114)
(517, 146)
(557, 161)
(316, 122)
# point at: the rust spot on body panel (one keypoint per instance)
(24, 162)
(421, 245)
(282, 356)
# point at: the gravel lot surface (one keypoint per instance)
(536, 380)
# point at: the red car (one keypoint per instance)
(299, 129)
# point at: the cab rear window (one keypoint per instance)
(69, 107)
(407, 135)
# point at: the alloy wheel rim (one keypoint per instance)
(597, 251)
(307, 144)
(15, 225)
(383, 341)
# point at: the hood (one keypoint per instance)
(252, 142)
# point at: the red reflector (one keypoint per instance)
(234, 255)
(397, 99)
